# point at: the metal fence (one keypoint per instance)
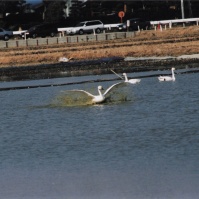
(174, 21)
(65, 39)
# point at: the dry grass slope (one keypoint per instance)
(170, 42)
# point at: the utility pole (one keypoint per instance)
(190, 9)
(182, 9)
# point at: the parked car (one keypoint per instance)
(18, 27)
(5, 34)
(87, 27)
(41, 30)
(135, 24)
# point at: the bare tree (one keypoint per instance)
(53, 10)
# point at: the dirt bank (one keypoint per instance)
(42, 62)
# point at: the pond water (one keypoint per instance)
(144, 147)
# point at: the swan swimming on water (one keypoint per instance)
(131, 81)
(96, 99)
(168, 78)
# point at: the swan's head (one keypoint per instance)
(124, 74)
(100, 88)
(172, 68)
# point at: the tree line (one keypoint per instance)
(21, 12)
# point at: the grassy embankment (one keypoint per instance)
(170, 42)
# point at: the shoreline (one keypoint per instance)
(97, 67)
(147, 51)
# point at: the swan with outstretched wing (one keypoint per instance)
(102, 97)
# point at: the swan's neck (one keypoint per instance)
(126, 78)
(100, 93)
(173, 75)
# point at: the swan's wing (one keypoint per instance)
(114, 86)
(117, 92)
(82, 91)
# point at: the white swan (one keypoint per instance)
(168, 78)
(96, 99)
(131, 81)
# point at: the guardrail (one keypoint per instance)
(173, 21)
(170, 22)
(19, 32)
(63, 31)
(65, 39)
(111, 26)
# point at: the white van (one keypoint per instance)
(87, 27)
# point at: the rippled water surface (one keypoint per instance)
(145, 147)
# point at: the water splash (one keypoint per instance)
(69, 98)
